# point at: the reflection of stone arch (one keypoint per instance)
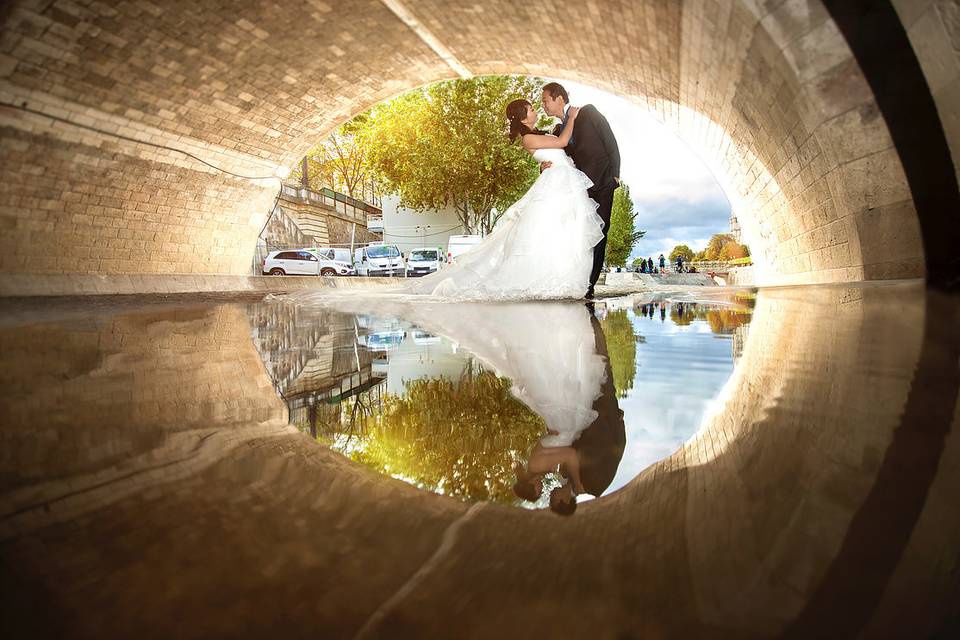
(742, 532)
(782, 108)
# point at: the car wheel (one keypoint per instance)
(328, 272)
(277, 272)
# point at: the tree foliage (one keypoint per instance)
(446, 145)
(341, 162)
(681, 250)
(722, 321)
(722, 246)
(623, 234)
(460, 438)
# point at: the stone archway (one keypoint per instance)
(771, 95)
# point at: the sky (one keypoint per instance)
(676, 196)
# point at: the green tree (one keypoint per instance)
(623, 233)
(681, 250)
(621, 349)
(446, 145)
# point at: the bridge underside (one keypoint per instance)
(837, 168)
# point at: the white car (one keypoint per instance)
(337, 254)
(379, 260)
(382, 340)
(302, 262)
(420, 262)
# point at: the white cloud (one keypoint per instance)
(677, 198)
(656, 164)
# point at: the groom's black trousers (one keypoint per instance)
(604, 198)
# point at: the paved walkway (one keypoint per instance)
(59, 285)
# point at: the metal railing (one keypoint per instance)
(341, 204)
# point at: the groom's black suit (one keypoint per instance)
(600, 446)
(595, 152)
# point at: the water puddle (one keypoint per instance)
(509, 403)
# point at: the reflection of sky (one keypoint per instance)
(680, 370)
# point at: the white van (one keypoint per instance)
(378, 260)
(422, 261)
(458, 245)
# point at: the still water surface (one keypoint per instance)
(453, 406)
(151, 484)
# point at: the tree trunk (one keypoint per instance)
(463, 214)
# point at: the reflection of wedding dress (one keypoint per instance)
(541, 248)
(547, 350)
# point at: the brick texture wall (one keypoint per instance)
(768, 93)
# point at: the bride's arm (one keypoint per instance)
(533, 141)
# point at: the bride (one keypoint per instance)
(542, 246)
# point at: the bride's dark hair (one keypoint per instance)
(516, 112)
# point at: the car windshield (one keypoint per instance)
(383, 252)
(423, 255)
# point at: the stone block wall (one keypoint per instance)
(933, 27)
(94, 206)
(769, 93)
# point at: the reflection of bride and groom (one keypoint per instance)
(585, 450)
(555, 356)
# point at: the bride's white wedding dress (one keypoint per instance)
(541, 248)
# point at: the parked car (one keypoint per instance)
(337, 254)
(382, 340)
(458, 245)
(378, 260)
(302, 262)
(421, 337)
(420, 262)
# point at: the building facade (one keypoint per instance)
(409, 229)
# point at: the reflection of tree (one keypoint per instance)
(727, 320)
(723, 321)
(461, 439)
(621, 349)
(684, 314)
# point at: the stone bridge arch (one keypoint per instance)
(836, 161)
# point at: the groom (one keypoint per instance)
(594, 150)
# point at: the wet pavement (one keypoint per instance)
(785, 464)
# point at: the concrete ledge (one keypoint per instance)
(632, 279)
(25, 285)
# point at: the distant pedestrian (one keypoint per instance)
(679, 264)
(649, 265)
(663, 263)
